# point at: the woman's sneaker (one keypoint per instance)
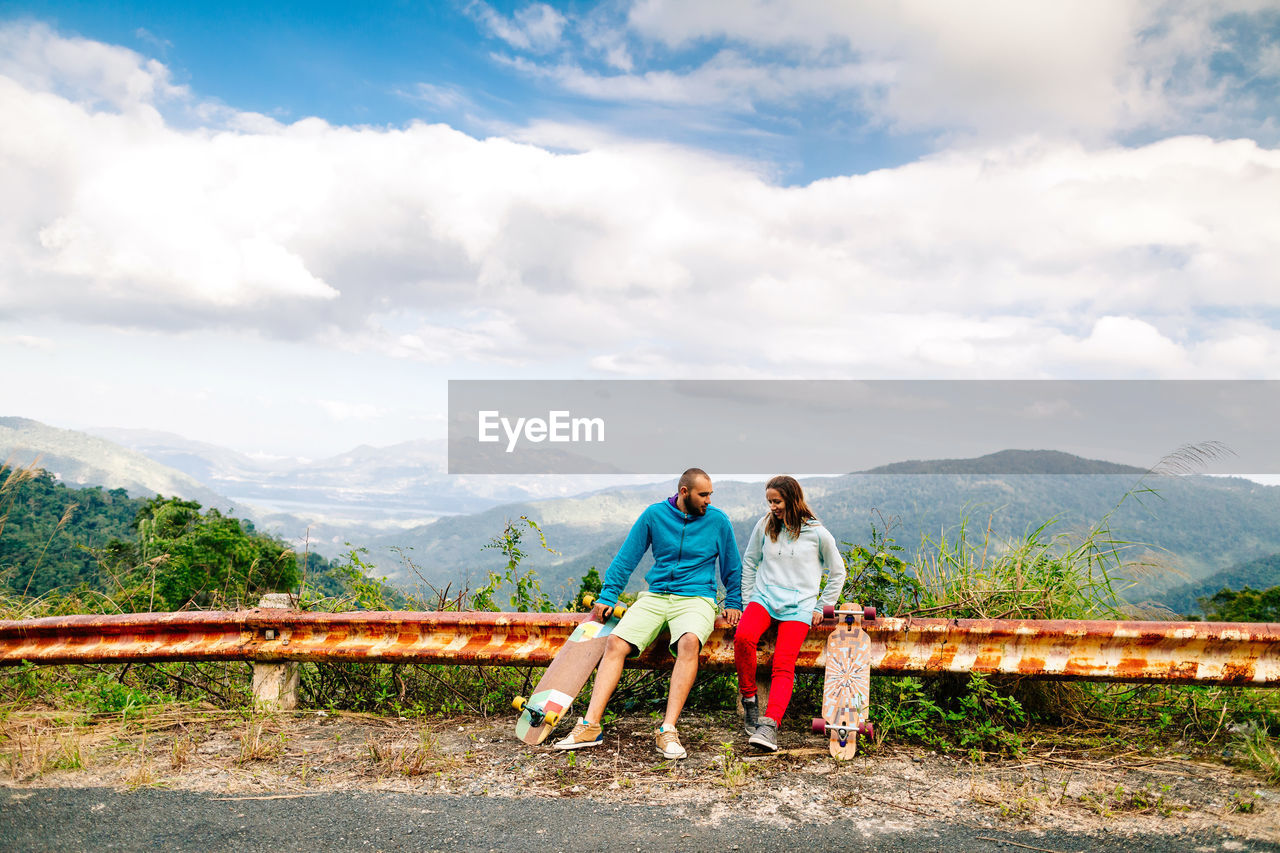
(668, 742)
(583, 734)
(750, 714)
(766, 735)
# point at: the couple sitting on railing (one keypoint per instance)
(779, 576)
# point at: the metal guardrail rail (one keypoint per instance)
(1179, 652)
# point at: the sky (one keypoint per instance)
(284, 227)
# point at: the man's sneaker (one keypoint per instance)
(668, 741)
(583, 734)
(750, 714)
(766, 735)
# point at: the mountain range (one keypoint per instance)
(1186, 527)
(80, 459)
(420, 524)
(365, 493)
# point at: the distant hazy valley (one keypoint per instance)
(354, 497)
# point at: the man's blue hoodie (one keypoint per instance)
(685, 550)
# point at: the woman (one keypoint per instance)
(782, 569)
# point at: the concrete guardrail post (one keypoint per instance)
(275, 685)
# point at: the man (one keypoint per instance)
(689, 537)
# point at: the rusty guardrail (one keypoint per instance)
(1181, 652)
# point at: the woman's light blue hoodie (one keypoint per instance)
(784, 576)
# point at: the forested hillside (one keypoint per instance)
(50, 533)
(156, 554)
(1260, 574)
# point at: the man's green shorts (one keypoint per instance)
(685, 614)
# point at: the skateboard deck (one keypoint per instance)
(846, 683)
(563, 679)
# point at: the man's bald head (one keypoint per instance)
(690, 477)
(694, 492)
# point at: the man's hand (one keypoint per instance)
(601, 612)
(732, 616)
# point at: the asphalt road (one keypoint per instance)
(151, 819)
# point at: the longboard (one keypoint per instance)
(846, 682)
(563, 679)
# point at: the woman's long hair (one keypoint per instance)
(795, 512)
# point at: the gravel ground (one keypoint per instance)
(218, 780)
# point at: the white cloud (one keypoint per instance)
(1046, 410)
(1004, 63)
(728, 79)
(1128, 343)
(1241, 348)
(29, 342)
(1028, 258)
(440, 97)
(342, 410)
(535, 27)
(143, 34)
(991, 68)
(86, 72)
(1269, 61)
(605, 40)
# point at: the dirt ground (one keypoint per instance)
(295, 754)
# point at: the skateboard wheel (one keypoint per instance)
(552, 718)
(819, 726)
(828, 611)
(518, 703)
(619, 609)
(869, 613)
(588, 600)
(867, 729)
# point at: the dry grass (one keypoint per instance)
(35, 742)
(1109, 800)
(144, 773)
(422, 758)
(39, 747)
(1019, 802)
(1261, 752)
(262, 740)
(70, 750)
(180, 751)
(414, 759)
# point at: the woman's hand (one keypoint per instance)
(817, 618)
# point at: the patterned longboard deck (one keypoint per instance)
(846, 687)
(563, 679)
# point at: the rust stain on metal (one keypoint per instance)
(1209, 653)
(1031, 666)
(1131, 667)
